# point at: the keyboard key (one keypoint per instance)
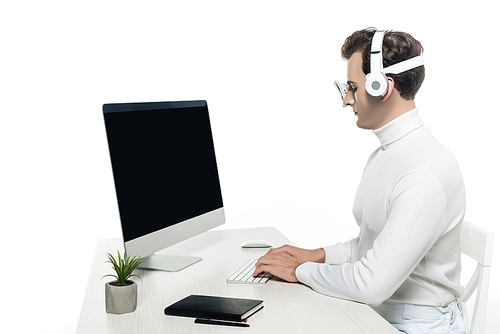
(244, 274)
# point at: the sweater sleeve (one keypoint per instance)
(342, 252)
(417, 218)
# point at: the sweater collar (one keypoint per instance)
(398, 127)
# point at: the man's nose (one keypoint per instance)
(349, 98)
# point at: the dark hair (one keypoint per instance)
(397, 46)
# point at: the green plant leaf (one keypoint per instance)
(136, 276)
(124, 267)
(109, 276)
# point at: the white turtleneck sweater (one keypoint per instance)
(409, 206)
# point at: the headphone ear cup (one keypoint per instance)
(376, 84)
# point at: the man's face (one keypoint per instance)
(365, 107)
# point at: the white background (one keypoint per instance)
(289, 155)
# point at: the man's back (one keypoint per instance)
(410, 205)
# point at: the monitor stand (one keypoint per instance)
(168, 262)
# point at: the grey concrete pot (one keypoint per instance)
(121, 299)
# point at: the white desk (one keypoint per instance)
(288, 307)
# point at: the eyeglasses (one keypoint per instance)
(342, 88)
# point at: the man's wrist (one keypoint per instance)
(319, 255)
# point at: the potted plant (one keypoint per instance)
(121, 294)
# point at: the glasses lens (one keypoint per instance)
(342, 88)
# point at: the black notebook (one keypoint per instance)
(212, 307)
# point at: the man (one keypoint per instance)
(410, 205)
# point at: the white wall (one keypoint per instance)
(288, 154)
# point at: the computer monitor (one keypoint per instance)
(166, 178)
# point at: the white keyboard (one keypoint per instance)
(244, 275)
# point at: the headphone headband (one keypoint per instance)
(376, 60)
(405, 65)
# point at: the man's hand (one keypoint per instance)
(301, 254)
(281, 265)
(283, 261)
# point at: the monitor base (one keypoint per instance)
(168, 262)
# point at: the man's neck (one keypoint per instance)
(394, 109)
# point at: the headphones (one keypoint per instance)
(376, 81)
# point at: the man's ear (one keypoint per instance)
(390, 89)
